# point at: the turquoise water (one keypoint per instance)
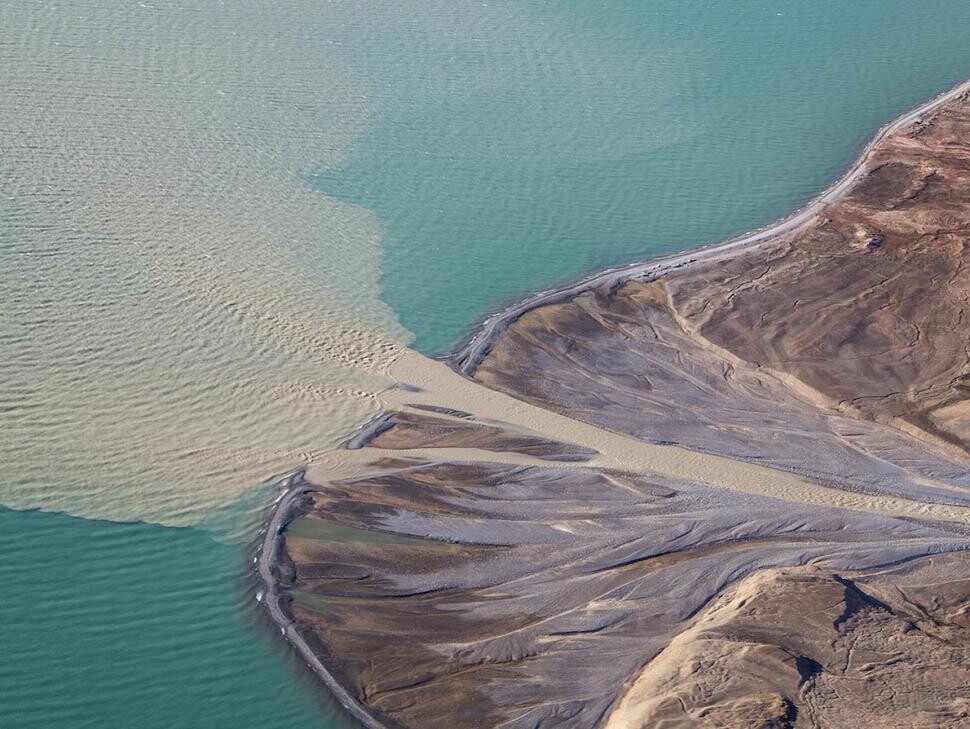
(573, 136)
(205, 315)
(136, 625)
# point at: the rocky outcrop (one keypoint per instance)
(807, 647)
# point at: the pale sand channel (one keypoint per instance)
(430, 382)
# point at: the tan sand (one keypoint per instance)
(430, 382)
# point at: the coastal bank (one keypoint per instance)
(724, 474)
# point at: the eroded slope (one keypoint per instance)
(869, 306)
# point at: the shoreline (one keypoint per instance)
(280, 514)
(465, 359)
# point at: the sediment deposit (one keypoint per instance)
(734, 495)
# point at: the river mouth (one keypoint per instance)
(503, 584)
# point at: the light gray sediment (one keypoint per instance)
(467, 359)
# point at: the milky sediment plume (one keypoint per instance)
(183, 315)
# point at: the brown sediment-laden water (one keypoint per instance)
(730, 489)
